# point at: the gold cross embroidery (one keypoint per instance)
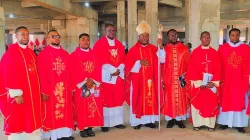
(88, 66)
(234, 60)
(59, 66)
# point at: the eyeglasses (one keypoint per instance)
(56, 36)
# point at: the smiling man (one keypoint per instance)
(20, 97)
(53, 71)
(235, 57)
(110, 54)
(85, 75)
(141, 73)
(204, 64)
(175, 107)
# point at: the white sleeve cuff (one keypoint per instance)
(196, 83)
(121, 67)
(161, 55)
(136, 67)
(111, 69)
(15, 92)
(79, 85)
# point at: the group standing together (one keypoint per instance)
(55, 93)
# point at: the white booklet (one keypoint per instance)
(207, 77)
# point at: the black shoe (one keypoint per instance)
(240, 129)
(120, 126)
(90, 132)
(67, 138)
(137, 127)
(223, 127)
(84, 133)
(180, 124)
(151, 125)
(171, 123)
(210, 129)
(105, 129)
(197, 128)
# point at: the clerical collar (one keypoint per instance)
(144, 45)
(22, 46)
(87, 50)
(55, 47)
(204, 47)
(111, 42)
(235, 45)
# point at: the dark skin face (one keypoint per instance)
(234, 37)
(54, 38)
(110, 32)
(205, 39)
(84, 42)
(23, 36)
(144, 38)
(172, 37)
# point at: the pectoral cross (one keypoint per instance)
(206, 63)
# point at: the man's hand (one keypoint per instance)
(159, 42)
(19, 99)
(45, 97)
(210, 85)
(116, 73)
(144, 62)
(89, 83)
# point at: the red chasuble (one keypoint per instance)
(19, 71)
(88, 111)
(175, 99)
(234, 77)
(248, 67)
(113, 94)
(53, 71)
(144, 83)
(204, 61)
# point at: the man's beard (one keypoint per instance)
(173, 42)
(23, 43)
(55, 44)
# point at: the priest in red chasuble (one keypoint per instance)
(175, 106)
(110, 54)
(20, 98)
(141, 66)
(85, 75)
(234, 56)
(203, 77)
(53, 68)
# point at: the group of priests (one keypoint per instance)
(55, 93)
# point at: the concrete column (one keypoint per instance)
(93, 31)
(121, 22)
(2, 32)
(152, 19)
(226, 33)
(132, 23)
(247, 35)
(141, 13)
(202, 15)
(74, 26)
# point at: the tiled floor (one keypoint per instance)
(165, 134)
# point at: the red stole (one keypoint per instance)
(19, 71)
(234, 76)
(204, 61)
(88, 112)
(53, 69)
(175, 100)
(113, 95)
(144, 83)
